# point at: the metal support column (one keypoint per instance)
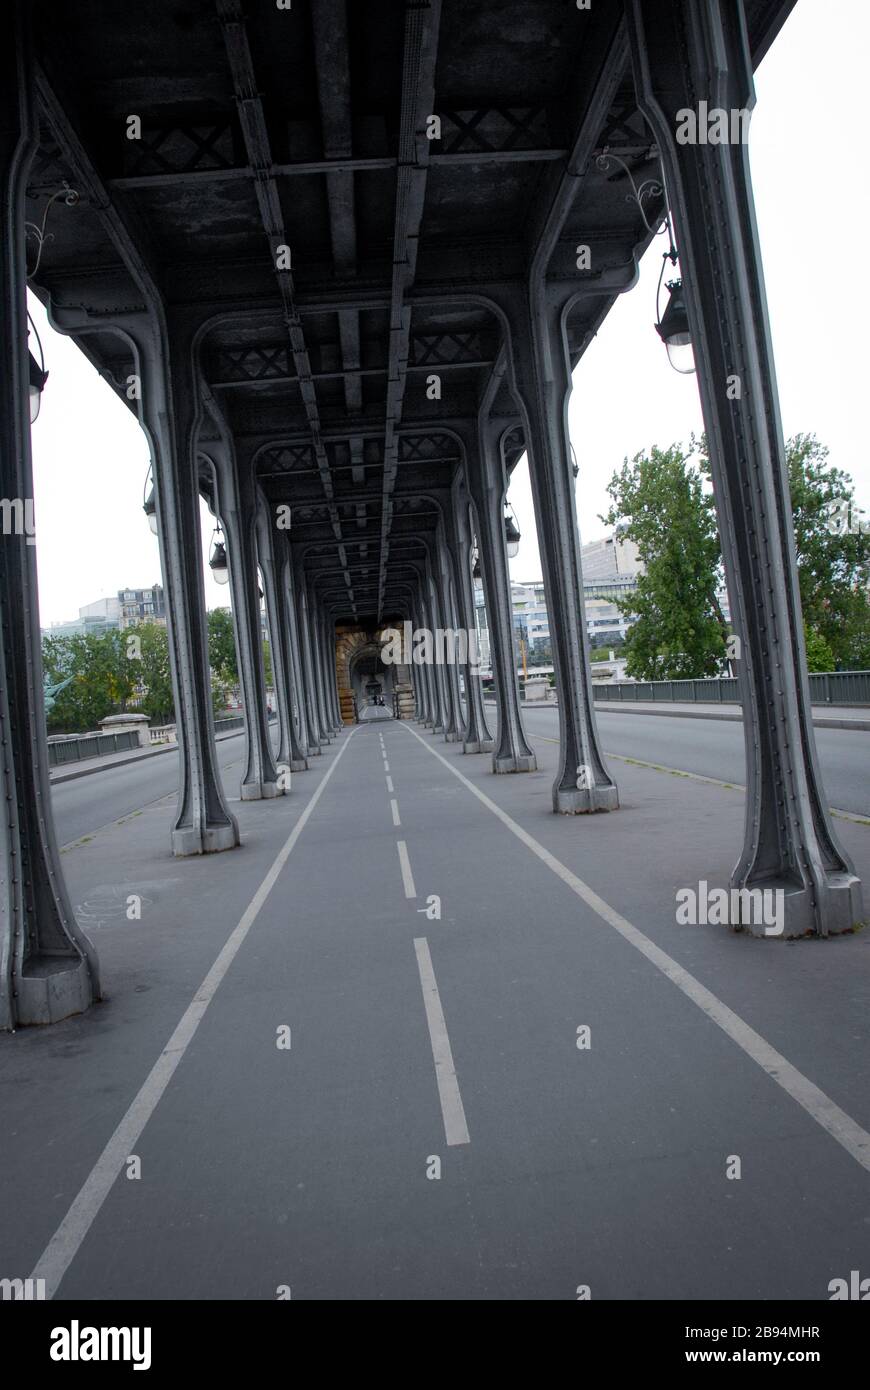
(476, 737)
(486, 486)
(306, 727)
(237, 508)
(449, 623)
(48, 968)
(290, 752)
(541, 378)
(170, 412)
(684, 54)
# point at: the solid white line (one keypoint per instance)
(64, 1244)
(389, 784)
(394, 807)
(407, 876)
(452, 1109)
(818, 1105)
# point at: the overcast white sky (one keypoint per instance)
(90, 458)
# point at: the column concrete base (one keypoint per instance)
(298, 764)
(842, 910)
(212, 840)
(524, 763)
(260, 791)
(568, 801)
(452, 737)
(57, 988)
(477, 745)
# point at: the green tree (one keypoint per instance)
(659, 502)
(819, 654)
(222, 646)
(155, 673)
(103, 678)
(833, 553)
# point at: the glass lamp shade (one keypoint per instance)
(674, 331)
(149, 507)
(512, 537)
(218, 563)
(38, 378)
(681, 356)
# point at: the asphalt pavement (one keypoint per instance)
(418, 1038)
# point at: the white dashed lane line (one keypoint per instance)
(452, 1109)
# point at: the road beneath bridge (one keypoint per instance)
(416, 1038)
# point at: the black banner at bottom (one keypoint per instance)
(63, 1339)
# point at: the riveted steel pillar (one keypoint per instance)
(48, 968)
(434, 668)
(237, 508)
(684, 54)
(320, 637)
(423, 713)
(170, 411)
(327, 642)
(305, 726)
(445, 649)
(164, 345)
(290, 752)
(476, 737)
(316, 735)
(541, 379)
(428, 687)
(425, 669)
(310, 615)
(486, 486)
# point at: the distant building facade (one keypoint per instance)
(141, 606)
(125, 609)
(610, 557)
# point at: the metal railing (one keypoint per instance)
(75, 748)
(826, 688)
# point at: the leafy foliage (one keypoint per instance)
(660, 502)
(833, 562)
(222, 646)
(819, 654)
(103, 679)
(155, 674)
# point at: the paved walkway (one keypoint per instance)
(429, 939)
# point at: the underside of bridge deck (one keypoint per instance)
(342, 259)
